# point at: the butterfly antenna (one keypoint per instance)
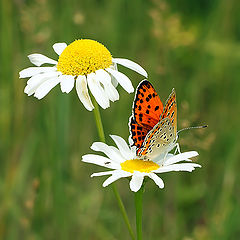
(191, 128)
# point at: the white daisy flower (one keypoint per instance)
(86, 62)
(125, 163)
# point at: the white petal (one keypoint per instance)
(111, 92)
(30, 89)
(123, 80)
(97, 91)
(35, 81)
(102, 173)
(66, 83)
(39, 59)
(116, 151)
(103, 77)
(136, 182)
(123, 147)
(59, 47)
(132, 65)
(31, 71)
(180, 157)
(157, 180)
(111, 153)
(46, 87)
(113, 80)
(189, 167)
(82, 91)
(100, 160)
(109, 89)
(116, 175)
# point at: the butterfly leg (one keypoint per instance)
(177, 149)
(165, 155)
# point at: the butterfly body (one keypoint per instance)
(153, 128)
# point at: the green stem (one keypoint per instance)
(114, 188)
(98, 121)
(138, 205)
(123, 210)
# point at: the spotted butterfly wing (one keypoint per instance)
(162, 138)
(138, 132)
(147, 106)
(159, 140)
(147, 109)
(170, 110)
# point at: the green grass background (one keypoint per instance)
(46, 191)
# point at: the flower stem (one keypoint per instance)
(138, 205)
(98, 121)
(114, 188)
(123, 211)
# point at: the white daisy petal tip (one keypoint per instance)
(136, 182)
(46, 87)
(159, 182)
(39, 59)
(123, 147)
(186, 156)
(131, 65)
(59, 47)
(122, 79)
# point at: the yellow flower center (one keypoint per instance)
(139, 165)
(82, 57)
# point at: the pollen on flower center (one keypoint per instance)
(139, 165)
(82, 57)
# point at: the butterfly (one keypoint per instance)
(153, 127)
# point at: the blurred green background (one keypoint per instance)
(46, 191)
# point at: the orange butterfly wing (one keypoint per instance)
(170, 110)
(169, 115)
(147, 106)
(138, 133)
(147, 109)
